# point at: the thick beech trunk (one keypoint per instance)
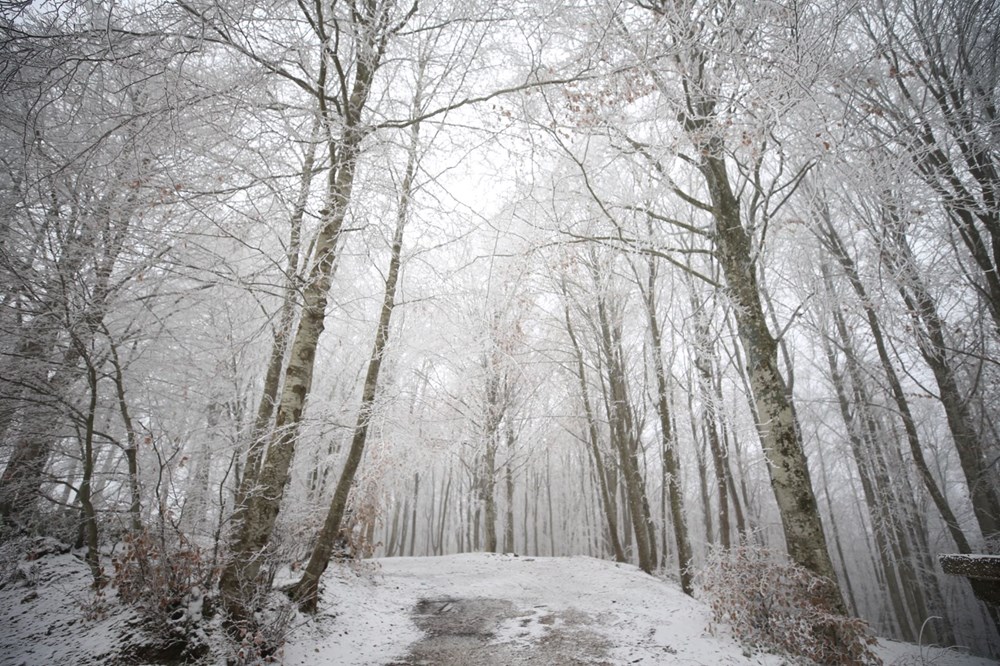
(779, 432)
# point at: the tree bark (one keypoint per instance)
(671, 467)
(85, 495)
(607, 501)
(131, 442)
(930, 332)
(306, 591)
(777, 425)
(836, 247)
(622, 435)
(508, 529)
(255, 516)
(487, 489)
(286, 320)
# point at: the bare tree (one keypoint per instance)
(307, 589)
(341, 91)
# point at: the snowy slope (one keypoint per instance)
(49, 615)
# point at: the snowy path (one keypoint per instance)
(494, 609)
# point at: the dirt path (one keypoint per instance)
(495, 632)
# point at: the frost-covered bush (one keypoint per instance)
(262, 644)
(165, 580)
(12, 551)
(780, 607)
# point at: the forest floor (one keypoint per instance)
(469, 610)
(505, 610)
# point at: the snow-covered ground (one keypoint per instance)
(463, 609)
(614, 614)
(49, 615)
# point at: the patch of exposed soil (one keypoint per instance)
(494, 632)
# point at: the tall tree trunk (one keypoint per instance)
(835, 245)
(930, 332)
(607, 496)
(779, 432)
(877, 519)
(508, 529)
(526, 519)
(440, 546)
(286, 320)
(622, 436)
(255, 516)
(671, 467)
(306, 591)
(705, 127)
(753, 512)
(706, 502)
(392, 530)
(734, 496)
(261, 493)
(85, 496)
(704, 365)
(413, 516)
(891, 512)
(834, 529)
(487, 491)
(548, 497)
(131, 443)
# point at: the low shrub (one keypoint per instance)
(166, 581)
(779, 607)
